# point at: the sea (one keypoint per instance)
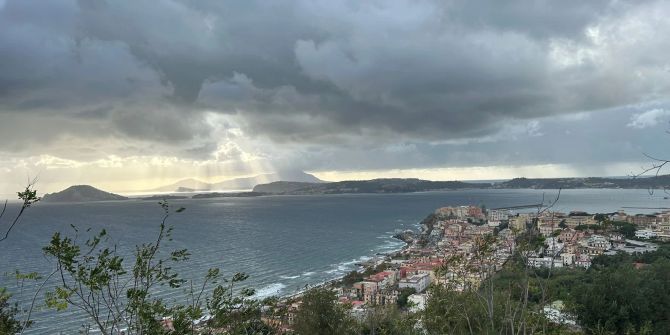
(284, 243)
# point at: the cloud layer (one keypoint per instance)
(301, 82)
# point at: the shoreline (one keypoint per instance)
(361, 268)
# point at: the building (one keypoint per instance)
(642, 220)
(367, 291)
(568, 259)
(383, 279)
(476, 213)
(554, 247)
(498, 215)
(453, 230)
(540, 262)
(419, 282)
(599, 242)
(519, 222)
(548, 229)
(645, 233)
(594, 245)
(619, 216)
(575, 219)
(583, 261)
(567, 235)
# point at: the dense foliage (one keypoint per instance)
(625, 294)
(321, 314)
(9, 323)
(403, 296)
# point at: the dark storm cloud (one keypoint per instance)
(543, 18)
(325, 72)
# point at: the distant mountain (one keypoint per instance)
(662, 181)
(418, 185)
(186, 185)
(81, 193)
(391, 185)
(194, 185)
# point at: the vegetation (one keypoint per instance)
(10, 320)
(404, 295)
(94, 278)
(356, 276)
(388, 320)
(398, 185)
(626, 294)
(621, 294)
(625, 228)
(321, 314)
(9, 323)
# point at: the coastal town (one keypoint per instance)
(460, 246)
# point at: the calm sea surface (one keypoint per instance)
(282, 242)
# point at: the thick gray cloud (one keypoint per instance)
(316, 74)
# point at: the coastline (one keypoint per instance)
(382, 258)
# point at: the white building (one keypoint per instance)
(553, 246)
(558, 262)
(419, 282)
(498, 215)
(645, 233)
(568, 259)
(540, 262)
(599, 242)
(583, 261)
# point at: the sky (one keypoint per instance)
(133, 94)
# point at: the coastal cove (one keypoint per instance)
(283, 242)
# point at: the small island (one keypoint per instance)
(82, 193)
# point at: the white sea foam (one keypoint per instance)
(308, 273)
(270, 290)
(392, 244)
(344, 267)
(289, 277)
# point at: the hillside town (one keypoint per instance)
(459, 247)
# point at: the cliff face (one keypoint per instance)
(81, 193)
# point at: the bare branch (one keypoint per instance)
(4, 208)
(32, 303)
(29, 197)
